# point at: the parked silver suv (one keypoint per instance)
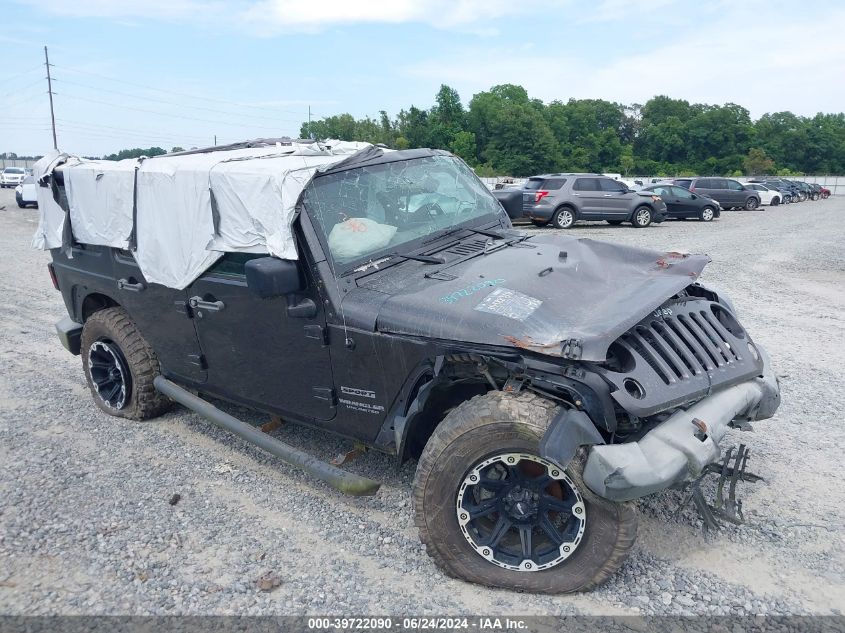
(563, 199)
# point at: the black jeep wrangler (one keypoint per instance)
(542, 382)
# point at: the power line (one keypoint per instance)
(26, 72)
(180, 94)
(164, 114)
(26, 87)
(180, 105)
(125, 132)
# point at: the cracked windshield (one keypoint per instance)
(373, 211)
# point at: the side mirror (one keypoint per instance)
(271, 277)
(693, 196)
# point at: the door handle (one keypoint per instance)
(125, 284)
(212, 306)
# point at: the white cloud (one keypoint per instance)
(765, 63)
(308, 15)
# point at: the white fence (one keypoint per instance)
(22, 162)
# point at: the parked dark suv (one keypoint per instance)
(563, 199)
(731, 194)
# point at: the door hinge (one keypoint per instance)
(198, 360)
(325, 393)
(317, 332)
(183, 309)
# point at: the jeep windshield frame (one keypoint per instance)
(394, 204)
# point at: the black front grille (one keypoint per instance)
(677, 354)
(680, 346)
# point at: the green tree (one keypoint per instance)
(135, 153)
(756, 163)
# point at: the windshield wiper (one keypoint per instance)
(427, 259)
(496, 235)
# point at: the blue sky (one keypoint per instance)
(177, 72)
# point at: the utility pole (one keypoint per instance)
(215, 140)
(50, 92)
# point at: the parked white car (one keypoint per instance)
(26, 194)
(12, 176)
(767, 196)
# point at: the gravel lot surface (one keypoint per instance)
(86, 527)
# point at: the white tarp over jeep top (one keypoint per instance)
(187, 209)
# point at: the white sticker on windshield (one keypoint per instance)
(509, 303)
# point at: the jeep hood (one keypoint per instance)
(557, 295)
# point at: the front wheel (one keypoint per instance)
(815, 196)
(707, 214)
(120, 366)
(642, 217)
(775, 201)
(751, 204)
(490, 510)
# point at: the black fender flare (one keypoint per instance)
(569, 430)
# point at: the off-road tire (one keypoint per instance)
(637, 220)
(114, 325)
(704, 216)
(487, 425)
(564, 218)
(751, 204)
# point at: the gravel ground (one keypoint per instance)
(86, 527)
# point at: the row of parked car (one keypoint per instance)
(560, 200)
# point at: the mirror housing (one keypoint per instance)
(272, 277)
(694, 196)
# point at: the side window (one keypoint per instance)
(685, 183)
(586, 184)
(232, 264)
(553, 184)
(680, 192)
(660, 191)
(733, 185)
(704, 183)
(612, 186)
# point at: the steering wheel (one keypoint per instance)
(430, 208)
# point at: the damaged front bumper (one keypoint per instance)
(680, 447)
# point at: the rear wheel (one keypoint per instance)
(120, 366)
(642, 217)
(490, 510)
(707, 214)
(751, 204)
(563, 218)
(815, 196)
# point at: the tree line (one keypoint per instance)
(505, 132)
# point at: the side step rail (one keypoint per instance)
(345, 482)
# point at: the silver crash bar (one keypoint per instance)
(680, 447)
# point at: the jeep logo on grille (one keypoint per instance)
(662, 313)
